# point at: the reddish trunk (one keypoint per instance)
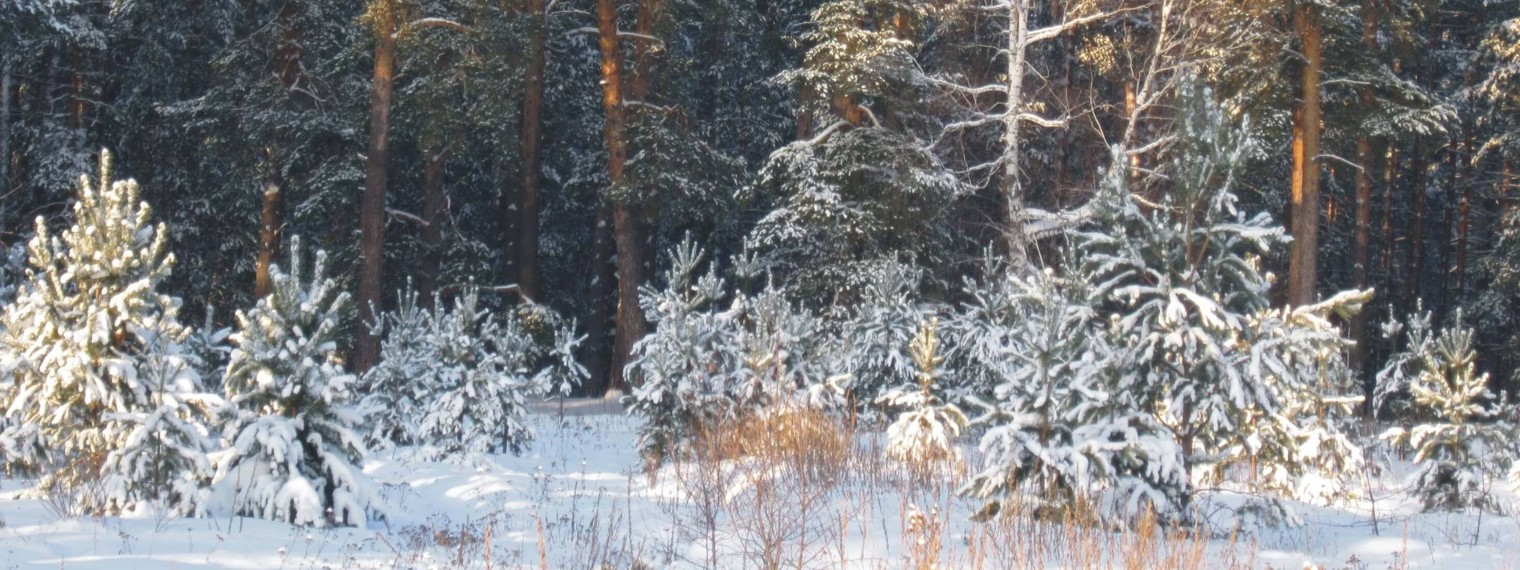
(271, 222)
(1304, 258)
(629, 324)
(433, 200)
(372, 208)
(1362, 257)
(532, 126)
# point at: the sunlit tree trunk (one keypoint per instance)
(629, 323)
(372, 208)
(1304, 258)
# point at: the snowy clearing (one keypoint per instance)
(578, 499)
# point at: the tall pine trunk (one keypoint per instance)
(372, 208)
(287, 63)
(629, 322)
(1362, 257)
(431, 273)
(271, 223)
(1304, 258)
(532, 133)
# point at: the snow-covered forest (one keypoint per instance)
(797, 283)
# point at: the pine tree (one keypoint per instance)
(1158, 354)
(400, 387)
(862, 191)
(1035, 353)
(715, 358)
(486, 370)
(295, 453)
(1468, 438)
(105, 403)
(924, 433)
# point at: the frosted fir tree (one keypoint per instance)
(1181, 274)
(924, 433)
(1038, 359)
(861, 191)
(104, 404)
(687, 363)
(400, 386)
(875, 335)
(295, 451)
(1466, 439)
(1172, 368)
(455, 379)
(711, 359)
(485, 372)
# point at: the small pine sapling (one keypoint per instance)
(398, 388)
(707, 363)
(1058, 431)
(105, 404)
(924, 433)
(295, 453)
(485, 372)
(1467, 438)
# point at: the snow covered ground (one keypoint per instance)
(579, 499)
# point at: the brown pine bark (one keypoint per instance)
(372, 207)
(1362, 256)
(1304, 259)
(271, 223)
(629, 323)
(272, 217)
(532, 132)
(433, 200)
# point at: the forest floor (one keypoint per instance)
(579, 498)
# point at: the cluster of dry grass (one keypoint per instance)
(801, 489)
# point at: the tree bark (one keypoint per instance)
(272, 218)
(599, 329)
(372, 208)
(1304, 258)
(271, 224)
(1362, 257)
(5, 126)
(1012, 185)
(433, 201)
(629, 324)
(532, 128)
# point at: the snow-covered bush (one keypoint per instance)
(104, 404)
(873, 336)
(1155, 361)
(398, 388)
(706, 362)
(456, 380)
(924, 432)
(1040, 360)
(1467, 438)
(295, 451)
